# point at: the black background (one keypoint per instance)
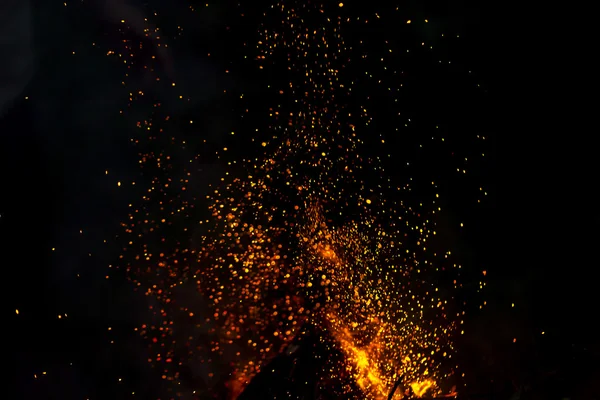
(534, 236)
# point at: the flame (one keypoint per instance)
(367, 366)
(421, 388)
(363, 366)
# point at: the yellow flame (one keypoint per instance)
(421, 388)
(367, 365)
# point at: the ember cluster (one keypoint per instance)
(315, 231)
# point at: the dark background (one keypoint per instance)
(533, 235)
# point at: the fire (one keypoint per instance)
(332, 281)
(313, 233)
(421, 388)
(368, 364)
(363, 367)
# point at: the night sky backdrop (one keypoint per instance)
(107, 121)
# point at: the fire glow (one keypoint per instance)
(312, 233)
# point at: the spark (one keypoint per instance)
(314, 232)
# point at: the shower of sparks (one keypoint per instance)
(313, 233)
